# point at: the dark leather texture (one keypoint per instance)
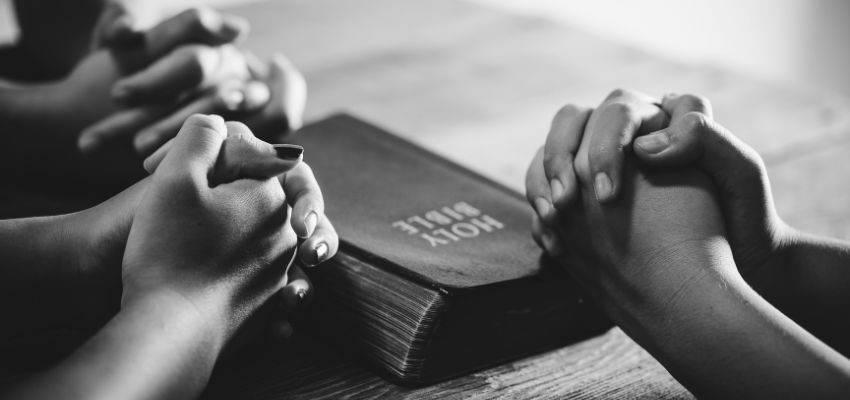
(379, 190)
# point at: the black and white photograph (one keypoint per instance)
(424, 199)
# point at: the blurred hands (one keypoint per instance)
(143, 85)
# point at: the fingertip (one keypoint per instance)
(234, 28)
(87, 142)
(543, 207)
(652, 145)
(313, 253)
(257, 95)
(122, 91)
(603, 187)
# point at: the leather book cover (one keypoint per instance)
(419, 214)
(437, 273)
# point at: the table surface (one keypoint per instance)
(480, 86)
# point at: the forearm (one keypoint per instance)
(159, 346)
(722, 340)
(810, 285)
(42, 286)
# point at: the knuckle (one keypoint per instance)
(695, 102)
(569, 111)
(199, 18)
(199, 59)
(696, 122)
(618, 92)
(582, 167)
(619, 111)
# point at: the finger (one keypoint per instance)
(285, 110)
(545, 238)
(696, 139)
(258, 68)
(321, 246)
(537, 230)
(245, 156)
(537, 189)
(297, 293)
(197, 25)
(562, 144)
(152, 162)
(736, 169)
(305, 197)
(228, 100)
(610, 132)
(187, 69)
(196, 147)
(121, 125)
(678, 105)
(115, 29)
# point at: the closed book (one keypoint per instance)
(437, 273)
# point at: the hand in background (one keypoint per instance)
(269, 98)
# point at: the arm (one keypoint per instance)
(656, 258)
(42, 284)
(811, 286)
(158, 346)
(803, 275)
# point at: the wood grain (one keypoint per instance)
(480, 87)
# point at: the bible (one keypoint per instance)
(437, 273)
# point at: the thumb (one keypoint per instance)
(735, 168)
(115, 28)
(196, 147)
(695, 139)
(243, 155)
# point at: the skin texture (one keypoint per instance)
(656, 252)
(67, 269)
(138, 92)
(199, 260)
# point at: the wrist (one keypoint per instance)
(203, 314)
(665, 288)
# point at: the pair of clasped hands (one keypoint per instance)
(205, 246)
(666, 219)
(131, 93)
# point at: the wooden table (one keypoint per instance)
(480, 87)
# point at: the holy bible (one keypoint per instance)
(437, 273)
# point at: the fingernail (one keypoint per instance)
(603, 186)
(120, 92)
(232, 27)
(310, 223)
(542, 206)
(557, 190)
(233, 99)
(87, 142)
(288, 151)
(145, 141)
(321, 252)
(654, 143)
